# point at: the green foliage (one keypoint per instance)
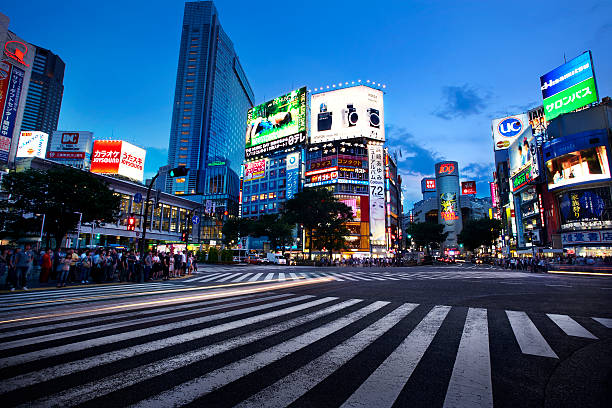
(275, 227)
(476, 233)
(60, 193)
(226, 255)
(236, 227)
(200, 256)
(213, 255)
(427, 234)
(322, 216)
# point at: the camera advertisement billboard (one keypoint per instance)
(32, 144)
(569, 86)
(118, 157)
(507, 130)
(346, 114)
(277, 124)
(70, 145)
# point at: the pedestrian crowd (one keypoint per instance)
(365, 262)
(82, 266)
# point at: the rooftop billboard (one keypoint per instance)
(32, 144)
(118, 157)
(506, 130)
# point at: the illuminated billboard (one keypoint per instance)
(569, 86)
(276, 125)
(468, 187)
(347, 113)
(118, 157)
(32, 144)
(255, 170)
(524, 162)
(574, 160)
(585, 209)
(377, 194)
(429, 185)
(11, 84)
(506, 130)
(70, 145)
(449, 207)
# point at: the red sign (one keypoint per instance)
(447, 168)
(324, 177)
(468, 187)
(328, 169)
(106, 156)
(430, 184)
(16, 50)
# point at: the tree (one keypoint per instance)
(426, 233)
(233, 228)
(275, 227)
(322, 216)
(60, 193)
(476, 233)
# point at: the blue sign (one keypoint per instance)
(510, 127)
(195, 219)
(7, 122)
(292, 183)
(567, 75)
(138, 198)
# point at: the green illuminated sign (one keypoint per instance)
(574, 97)
(217, 163)
(522, 178)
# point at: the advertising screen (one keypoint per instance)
(346, 114)
(507, 130)
(11, 86)
(448, 206)
(569, 86)
(255, 170)
(578, 167)
(468, 187)
(524, 161)
(118, 157)
(32, 144)
(377, 194)
(585, 209)
(70, 145)
(276, 124)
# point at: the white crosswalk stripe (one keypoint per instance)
(527, 335)
(254, 278)
(242, 277)
(269, 276)
(257, 334)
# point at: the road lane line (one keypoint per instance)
(231, 276)
(570, 326)
(605, 322)
(384, 385)
(254, 278)
(470, 383)
(269, 276)
(288, 389)
(530, 340)
(198, 387)
(242, 277)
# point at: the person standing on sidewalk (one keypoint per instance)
(45, 266)
(148, 265)
(65, 263)
(4, 263)
(23, 261)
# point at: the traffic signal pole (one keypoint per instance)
(146, 216)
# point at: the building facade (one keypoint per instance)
(211, 100)
(44, 98)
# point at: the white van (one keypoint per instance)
(276, 258)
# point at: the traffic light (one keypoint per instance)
(408, 236)
(131, 223)
(179, 171)
(185, 237)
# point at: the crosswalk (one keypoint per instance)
(276, 349)
(234, 276)
(44, 298)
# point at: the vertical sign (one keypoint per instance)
(9, 115)
(377, 194)
(293, 174)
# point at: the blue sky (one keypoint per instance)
(450, 67)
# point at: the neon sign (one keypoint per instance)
(446, 168)
(18, 53)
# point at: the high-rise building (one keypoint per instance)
(211, 101)
(44, 99)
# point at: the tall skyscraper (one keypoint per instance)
(44, 99)
(211, 101)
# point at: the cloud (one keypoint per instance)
(461, 101)
(156, 157)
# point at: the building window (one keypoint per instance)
(262, 196)
(187, 110)
(253, 198)
(186, 117)
(185, 125)
(185, 140)
(271, 196)
(188, 102)
(182, 156)
(191, 66)
(184, 133)
(182, 164)
(191, 80)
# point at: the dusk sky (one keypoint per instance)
(450, 67)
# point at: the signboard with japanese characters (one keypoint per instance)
(468, 187)
(32, 144)
(569, 86)
(377, 194)
(585, 209)
(255, 170)
(70, 145)
(10, 85)
(118, 157)
(569, 239)
(293, 174)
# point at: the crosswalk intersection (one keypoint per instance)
(276, 349)
(234, 275)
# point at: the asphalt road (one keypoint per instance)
(451, 336)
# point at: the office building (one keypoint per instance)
(211, 101)
(44, 98)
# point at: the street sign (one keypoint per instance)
(138, 198)
(195, 219)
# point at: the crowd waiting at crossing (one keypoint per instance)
(87, 265)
